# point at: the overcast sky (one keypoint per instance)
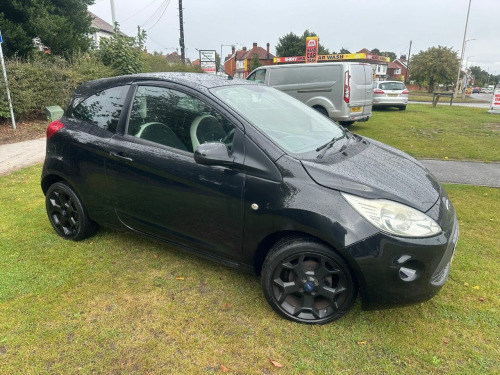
(388, 25)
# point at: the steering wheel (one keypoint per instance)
(228, 137)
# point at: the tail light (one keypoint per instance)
(53, 128)
(405, 92)
(347, 87)
(378, 91)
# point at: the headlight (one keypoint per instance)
(394, 218)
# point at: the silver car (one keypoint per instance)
(390, 94)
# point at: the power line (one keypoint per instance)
(135, 14)
(160, 11)
(164, 10)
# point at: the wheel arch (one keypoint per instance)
(267, 243)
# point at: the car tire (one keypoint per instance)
(403, 108)
(307, 282)
(346, 123)
(322, 111)
(67, 214)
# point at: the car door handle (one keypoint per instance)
(120, 156)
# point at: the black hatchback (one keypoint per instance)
(250, 177)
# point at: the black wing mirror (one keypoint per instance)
(213, 153)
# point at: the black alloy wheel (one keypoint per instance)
(67, 214)
(308, 282)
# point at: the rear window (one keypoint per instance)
(392, 86)
(103, 109)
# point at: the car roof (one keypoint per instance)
(200, 81)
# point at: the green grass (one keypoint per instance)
(121, 304)
(442, 133)
(424, 96)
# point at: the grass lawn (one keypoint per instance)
(122, 304)
(424, 96)
(442, 133)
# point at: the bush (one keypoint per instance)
(158, 63)
(46, 80)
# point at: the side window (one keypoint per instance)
(258, 76)
(175, 119)
(103, 109)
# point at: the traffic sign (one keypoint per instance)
(0, 37)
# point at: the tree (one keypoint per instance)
(390, 55)
(62, 25)
(294, 45)
(344, 50)
(255, 62)
(123, 53)
(435, 65)
(480, 76)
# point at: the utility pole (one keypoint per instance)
(408, 65)
(181, 39)
(113, 16)
(462, 54)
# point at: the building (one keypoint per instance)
(398, 69)
(238, 63)
(101, 29)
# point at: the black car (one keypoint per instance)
(248, 176)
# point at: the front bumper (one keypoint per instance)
(399, 271)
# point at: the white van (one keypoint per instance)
(342, 91)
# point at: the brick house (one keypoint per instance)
(237, 64)
(398, 69)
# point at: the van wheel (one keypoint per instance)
(67, 214)
(322, 111)
(346, 123)
(402, 108)
(307, 282)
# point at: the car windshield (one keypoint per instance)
(392, 86)
(294, 126)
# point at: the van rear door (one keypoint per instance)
(361, 85)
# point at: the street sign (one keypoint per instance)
(207, 61)
(0, 37)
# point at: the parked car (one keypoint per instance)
(390, 94)
(476, 90)
(484, 90)
(339, 90)
(246, 175)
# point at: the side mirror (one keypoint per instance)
(212, 153)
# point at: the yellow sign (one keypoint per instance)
(312, 43)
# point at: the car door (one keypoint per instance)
(160, 190)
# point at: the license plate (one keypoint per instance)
(355, 109)
(392, 95)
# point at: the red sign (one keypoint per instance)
(312, 49)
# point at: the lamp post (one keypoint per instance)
(467, 62)
(466, 77)
(463, 48)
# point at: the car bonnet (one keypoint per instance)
(378, 171)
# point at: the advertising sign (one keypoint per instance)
(336, 57)
(207, 61)
(495, 102)
(312, 49)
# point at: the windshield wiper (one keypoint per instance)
(327, 146)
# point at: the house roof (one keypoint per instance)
(101, 25)
(392, 65)
(261, 52)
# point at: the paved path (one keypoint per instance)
(19, 155)
(15, 156)
(464, 172)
